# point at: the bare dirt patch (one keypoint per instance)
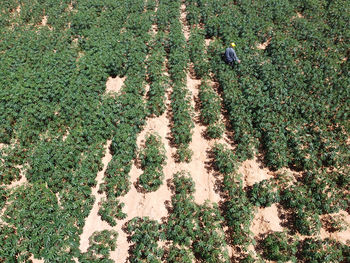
(36, 260)
(263, 46)
(44, 21)
(266, 220)
(185, 28)
(93, 221)
(253, 171)
(114, 85)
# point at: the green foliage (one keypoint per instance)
(12, 248)
(182, 223)
(224, 159)
(209, 244)
(157, 80)
(33, 211)
(110, 210)
(196, 46)
(100, 245)
(184, 154)
(315, 250)
(3, 196)
(211, 111)
(238, 211)
(152, 158)
(145, 233)
(179, 254)
(263, 194)
(278, 247)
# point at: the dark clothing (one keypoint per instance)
(230, 55)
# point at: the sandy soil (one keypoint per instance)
(300, 15)
(44, 21)
(253, 172)
(341, 236)
(36, 260)
(113, 85)
(263, 46)
(266, 220)
(149, 204)
(185, 28)
(93, 221)
(208, 41)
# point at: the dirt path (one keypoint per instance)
(149, 204)
(93, 221)
(203, 178)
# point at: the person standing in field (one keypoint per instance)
(230, 55)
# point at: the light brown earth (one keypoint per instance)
(266, 220)
(263, 45)
(93, 221)
(253, 172)
(113, 85)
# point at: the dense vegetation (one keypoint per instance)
(288, 102)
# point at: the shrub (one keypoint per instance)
(110, 210)
(263, 194)
(224, 159)
(179, 254)
(277, 247)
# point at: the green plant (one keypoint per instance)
(145, 233)
(179, 254)
(182, 223)
(278, 247)
(184, 154)
(263, 194)
(224, 159)
(110, 210)
(315, 250)
(152, 157)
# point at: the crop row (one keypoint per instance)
(131, 117)
(152, 158)
(209, 99)
(178, 58)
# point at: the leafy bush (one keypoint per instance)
(224, 159)
(196, 46)
(179, 254)
(315, 250)
(101, 244)
(3, 196)
(182, 222)
(152, 158)
(110, 210)
(263, 194)
(145, 233)
(184, 154)
(209, 244)
(157, 80)
(276, 246)
(216, 130)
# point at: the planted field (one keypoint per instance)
(124, 136)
